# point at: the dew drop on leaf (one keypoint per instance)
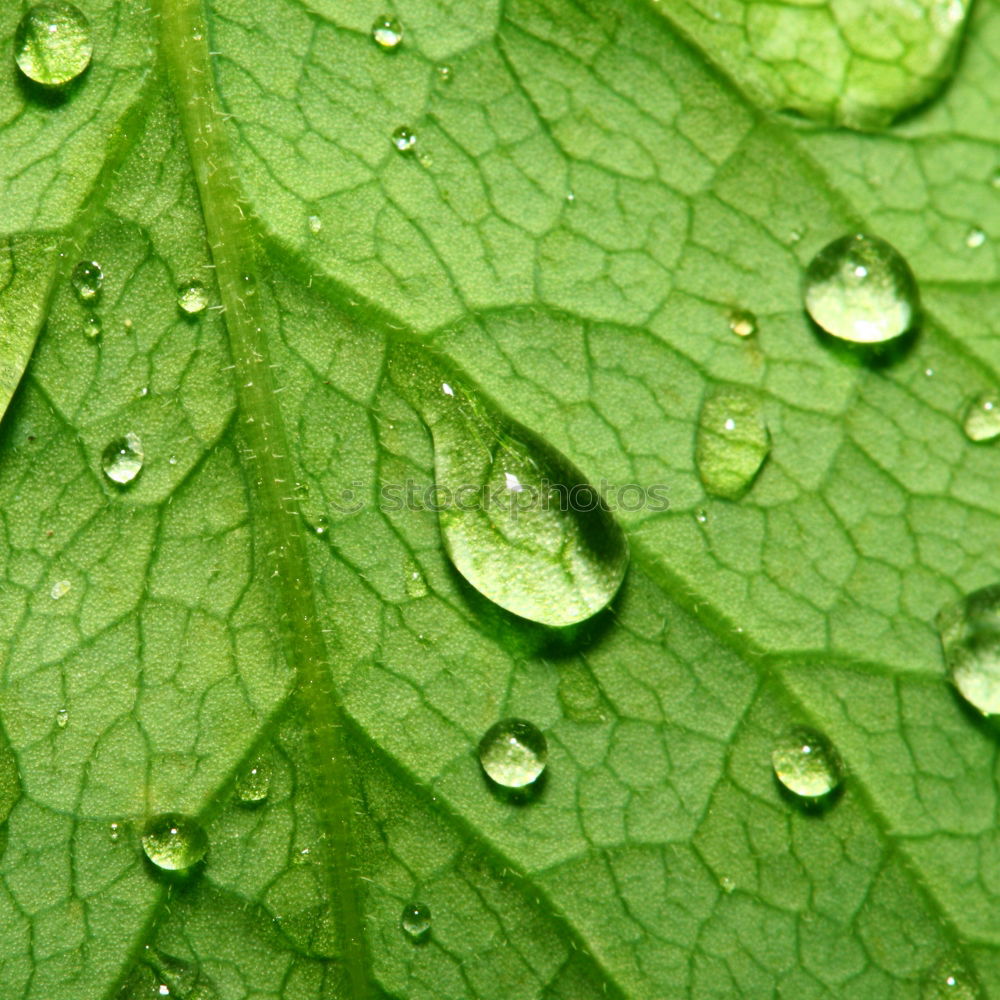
(981, 421)
(87, 279)
(513, 753)
(806, 763)
(387, 32)
(732, 441)
(404, 139)
(416, 921)
(174, 842)
(860, 289)
(518, 520)
(315, 224)
(975, 238)
(60, 589)
(445, 73)
(92, 327)
(122, 459)
(950, 980)
(743, 323)
(970, 638)
(254, 781)
(52, 44)
(62, 718)
(192, 298)
(114, 833)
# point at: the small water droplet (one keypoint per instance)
(114, 833)
(315, 224)
(174, 842)
(62, 718)
(321, 524)
(728, 885)
(513, 753)
(416, 921)
(52, 44)
(248, 284)
(975, 238)
(92, 327)
(743, 323)
(981, 420)
(701, 515)
(60, 589)
(807, 764)
(192, 298)
(732, 443)
(387, 32)
(549, 551)
(860, 289)
(87, 279)
(445, 73)
(404, 139)
(970, 638)
(122, 459)
(950, 980)
(254, 782)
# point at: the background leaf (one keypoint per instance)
(594, 190)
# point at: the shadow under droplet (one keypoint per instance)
(875, 356)
(810, 807)
(50, 97)
(535, 792)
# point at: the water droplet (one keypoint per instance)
(981, 421)
(404, 139)
(743, 323)
(254, 781)
(192, 298)
(513, 753)
(174, 842)
(975, 238)
(970, 638)
(445, 73)
(122, 459)
(950, 980)
(701, 515)
(728, 885)
(114, 832)
(995, 178)
(387, 32)
(807, 764)
(60, 589)
(733, 442)
(92, 327)
(859, 288)
(52, 43)
(62, 718)
(416, 921)
(87, 279)
(548, 550)
(315, 224)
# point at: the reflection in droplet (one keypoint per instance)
(743, 323)
(174, 842)
(87, 279)
(860, 289)
(970, 639)
(975, 238)
(52, 43)
(513, 753)
(732, 442)
(981, 421)
(387, 32)
(192, 298)
(806, 763)
(416, 921)
(122, 459)
(404, 139)
(254, 781)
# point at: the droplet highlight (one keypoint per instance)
(513, 753)
(62, 718)
(743, 323)
(254, 781)
(315, 224)
(87, 279)
(122, 459)
(174, 842)
(192, 298)
(52, 43)
(387, 32)
(404, 139)
(970, 638)
(860, 289)
(416, 921)
(981, 420)
(92, 327)
(975, 238)
(807, 764)
(518, 520)
(732, 442)
(950, 980)
(60, 589)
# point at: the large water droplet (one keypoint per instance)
(192, 298)
(416, 921)
(732, 443)
(807, 764)
(981, 421)
(87, 279)
(970, 638)
(859, 288)
(513, 753)
(387, 32)
(122, 459)
(254, 781)
(174, 842)
(52, 43)
(404, 139)
(518, 519)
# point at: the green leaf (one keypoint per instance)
(595, 190)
